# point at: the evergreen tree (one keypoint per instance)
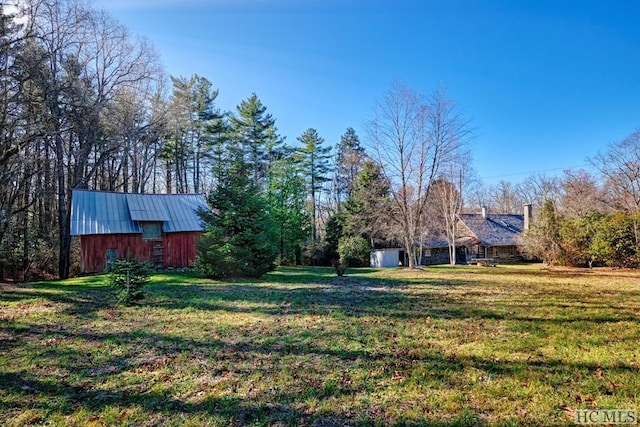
(314, 159)
(333, 232)
(192, 112)
(254, 129)
(350, 156)
(366, 212)
(219, 132)
(287, 198)
(238, 241)
(578, 235)
(350, 233)
(354, 251)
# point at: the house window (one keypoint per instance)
(151, 230)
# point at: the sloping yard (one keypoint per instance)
(441, 346)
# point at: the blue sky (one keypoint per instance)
(545, 83)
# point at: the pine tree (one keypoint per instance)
(257, 134)
(366, 212)
(333, 232)
(238, 241)
(351, 232)
(314, 161)
(192, 113)
(350, 156)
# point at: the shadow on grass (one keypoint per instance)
(317, 291)
(393, 299)
(236, 411)
(84, 292)
(286, 293)
(75, 397)
(25, 390)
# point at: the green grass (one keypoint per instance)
(513, 345)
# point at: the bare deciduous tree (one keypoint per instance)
(448, 199)
(412, 138)
(620, 169)
(537, 189)
(619, 166)
(504, 198)
(81, 60)
(581, 194)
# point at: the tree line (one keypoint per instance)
(84, 105)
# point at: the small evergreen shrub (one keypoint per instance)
(128, 277)
(354, 251)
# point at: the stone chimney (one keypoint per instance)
(485, 212)
(528, 212)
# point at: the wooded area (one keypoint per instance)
(84, 105)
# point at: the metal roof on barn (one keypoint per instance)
(99, 212)
(495, 229)
(145, 208)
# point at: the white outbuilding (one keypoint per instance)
(388, 257)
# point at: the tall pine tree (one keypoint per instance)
(314, 160)
(350, 156)
(255, 131)
(191, 114)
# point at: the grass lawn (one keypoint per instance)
(512, 345)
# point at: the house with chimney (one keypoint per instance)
(483, 236)
(496, 236)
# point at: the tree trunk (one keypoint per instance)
(169, 177)
(314, 231)
(64, 258)
(125, 169)
(408, 245)
(452, 251)
(25, 227)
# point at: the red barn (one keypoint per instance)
(159, 228)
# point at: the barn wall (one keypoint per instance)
(178, 249)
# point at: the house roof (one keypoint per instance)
(495, 229)
(435, 241)
(99, 212)
(440, 242)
